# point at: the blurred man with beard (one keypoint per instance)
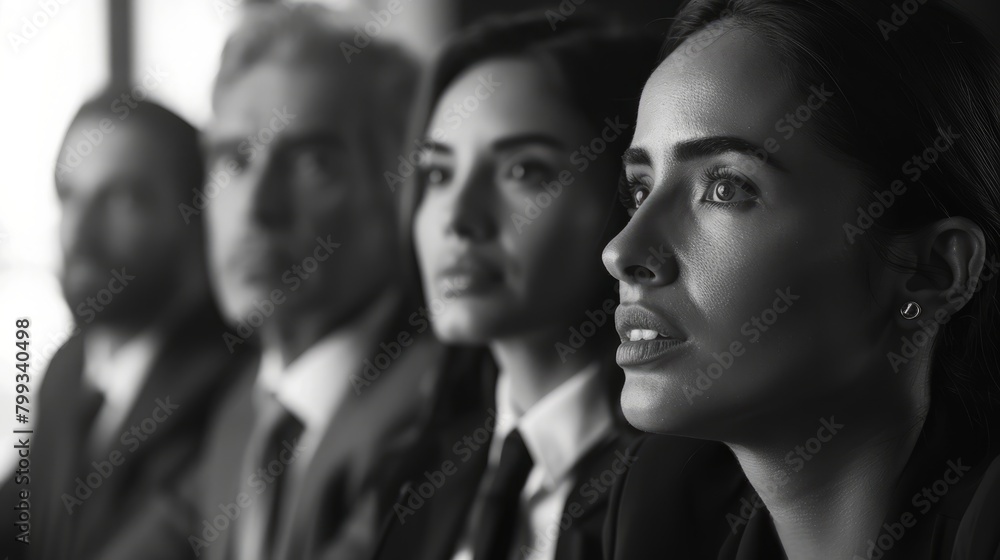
(302, 238)
(124, 402)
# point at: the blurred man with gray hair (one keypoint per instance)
(302, 250)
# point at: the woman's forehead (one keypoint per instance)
(732, 85)
(504, 97)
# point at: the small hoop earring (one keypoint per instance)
(910, 310)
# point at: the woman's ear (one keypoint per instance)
(950, 255)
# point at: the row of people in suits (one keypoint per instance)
(456, 395)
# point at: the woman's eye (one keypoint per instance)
(639, 195)
(528, 172)
(309, 163)
(435, 176)
(633, 192)
(728, 189)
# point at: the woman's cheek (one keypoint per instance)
(425, 241)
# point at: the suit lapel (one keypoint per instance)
(191, 362)
(346, 466)
(587, 503)
(58, 451)
(219, 480)
(428, 528)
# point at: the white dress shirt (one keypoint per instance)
(314, 385)
(558, 431)
(312, 388)
(119, 376)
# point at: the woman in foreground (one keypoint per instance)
(523, 131)
(827, 187)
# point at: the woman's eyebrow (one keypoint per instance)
(718, 145)
(636, 156)
(435, 146)
(515, 140)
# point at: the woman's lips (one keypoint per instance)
(468, 278)
(646, 336)
(642, 352)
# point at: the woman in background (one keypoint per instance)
(827, 185)
(523, 129)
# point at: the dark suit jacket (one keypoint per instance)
(429, 529)
(339, 515)
(948, 523)
(961, 523)
(191, 370)
(673, 501)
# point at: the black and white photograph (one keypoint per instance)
(511, 280)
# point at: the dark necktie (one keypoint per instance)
(275, 430)
(63, 529)
(495, 535)
(91, 401)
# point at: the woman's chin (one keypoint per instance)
(459, 326)
(660, 409)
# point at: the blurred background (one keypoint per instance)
(57, 53)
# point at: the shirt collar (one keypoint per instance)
(119, 374)
(314, 384)
(562, 426)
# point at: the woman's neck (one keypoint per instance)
(535, 365)
(828, 481)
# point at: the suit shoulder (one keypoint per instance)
(403, 382)
(978, 536)
(657, 455)
(66, 363)
(674, 497)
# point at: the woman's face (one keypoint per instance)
(508, 231)
(761, 307)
